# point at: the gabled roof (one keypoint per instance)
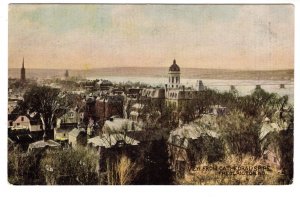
(43, 144)
(63, 130)
(268, 128)
(108, 141)
(34, 118)
(119, 125)
(180, 136)
(75, 132)
(145, 136)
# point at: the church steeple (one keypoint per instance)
(23, 78)
(66, 74)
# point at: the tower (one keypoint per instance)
(174, 75)
(66, 74)
(23, 78)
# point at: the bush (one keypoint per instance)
(70, 167)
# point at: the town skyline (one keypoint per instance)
(83, 37)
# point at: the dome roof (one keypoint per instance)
(174, 66)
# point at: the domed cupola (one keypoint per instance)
(174, 75)
(174, 67)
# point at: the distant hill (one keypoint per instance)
(193, 73)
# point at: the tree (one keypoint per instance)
(122, 171)
(287, 153)
(23, 168)
(46, 101)
(156, 169)
(70, 167)
(240, 134)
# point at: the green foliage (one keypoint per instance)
(167, 118)
(239, 131)
(47, 101)
(70, 167)
(23, 169)
(240, 134)
(205, 147)
(286, 145)
(156, 168)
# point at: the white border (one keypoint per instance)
(9, 190)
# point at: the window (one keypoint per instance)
(172, 79)
(22, 118)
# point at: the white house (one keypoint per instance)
(30, 122)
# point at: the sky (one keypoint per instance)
(85, 36)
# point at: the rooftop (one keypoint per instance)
(174, 67)
(110, 140)
(43, 144)
(75, 132)
(195, 130)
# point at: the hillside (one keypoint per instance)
(193, 73)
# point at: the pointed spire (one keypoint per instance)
(174, 61)
(23, 63)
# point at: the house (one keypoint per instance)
(217, 110)
(93, 128)
(61, 135)
(29, 122)
(156, 95)
(70, 117)
(179, 96)
(65, 124)
(88, 85)
(105, 85)
(110, 147)
(189, 144)
(135, 112)
(111, 140)
(110, 105)
(134, 93)
(268, 134)
(43, 145)
(120, 125)
(77, 137)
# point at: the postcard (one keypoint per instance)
(151, 94)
